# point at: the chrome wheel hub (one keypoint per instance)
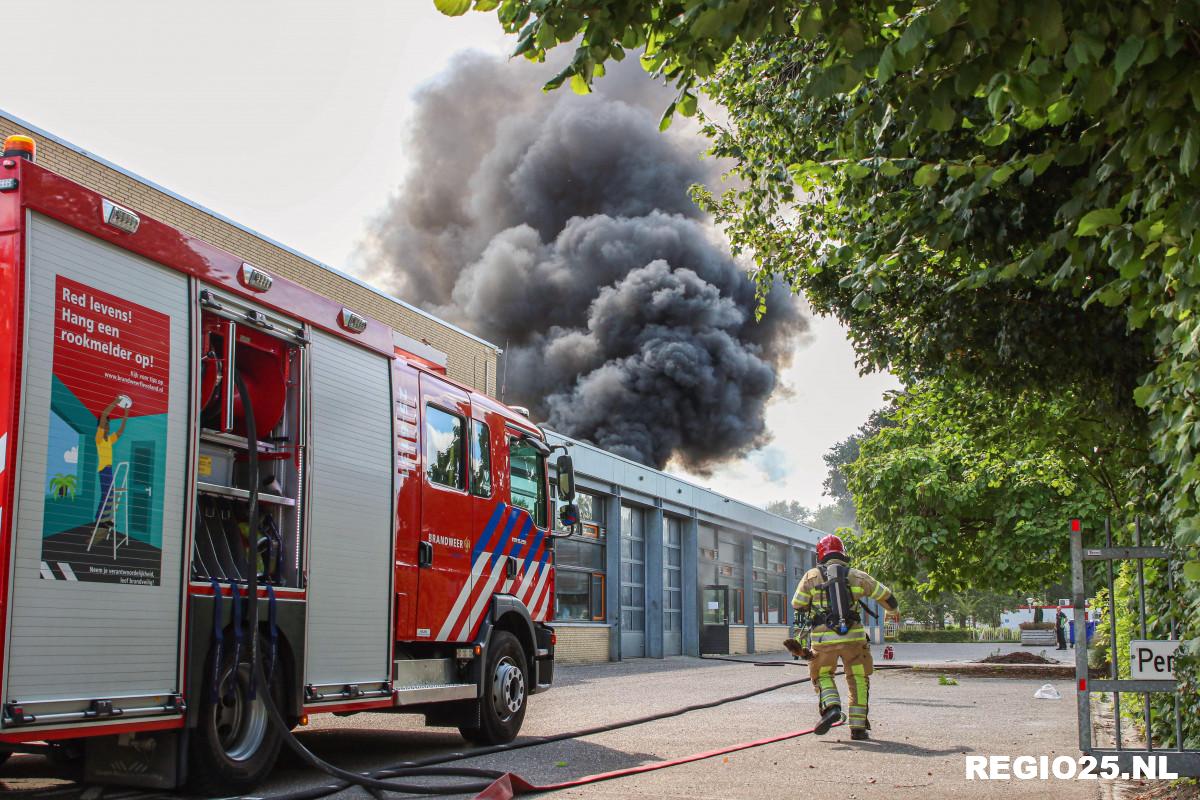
(508, 689)
(241, 723)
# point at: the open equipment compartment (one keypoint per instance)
(269, 354)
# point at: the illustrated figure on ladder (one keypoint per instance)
(113, 484)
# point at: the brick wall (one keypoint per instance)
(737, 639)
(466, 357)
(769, 638)
(581, 644)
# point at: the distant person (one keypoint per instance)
(829, 595)
(1060, 629)
(105, 439)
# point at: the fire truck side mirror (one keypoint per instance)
(566, 478)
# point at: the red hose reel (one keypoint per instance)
(263, 363)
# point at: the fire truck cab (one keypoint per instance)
(403, 550)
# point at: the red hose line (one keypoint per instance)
(509, 785)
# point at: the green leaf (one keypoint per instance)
(579, 84)
(1132, 268)
(862, 300)
(1126, 55)
(941, 118)
(1059, 111)
(487, 5)
(1093, 221)
(668, 115)
(982, 14)
(453, 8)
(1046, 23)
(1099, 90)
(545, 37)
(887, 65)
(913, 35)
(1189, 152)
(997, 135)
(927, 175)
(1191, 570)
(687, 104)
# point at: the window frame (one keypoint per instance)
(514, 435)
(471, 460)
(464, 470)
(596, 588)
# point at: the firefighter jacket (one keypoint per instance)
(810, 599)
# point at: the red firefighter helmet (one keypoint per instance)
(830, 545)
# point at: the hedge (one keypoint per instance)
(944, 636)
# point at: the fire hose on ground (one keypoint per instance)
(488, 784)
(496, 785)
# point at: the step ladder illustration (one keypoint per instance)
(116, 505)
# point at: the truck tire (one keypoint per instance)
(235, 744)
(505, 693)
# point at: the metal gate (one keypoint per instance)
(1182, 761)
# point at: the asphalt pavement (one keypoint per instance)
(922, 733)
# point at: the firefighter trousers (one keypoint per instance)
(856, 659)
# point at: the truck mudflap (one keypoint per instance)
(544, 659)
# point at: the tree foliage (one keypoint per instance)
(1000, 192)
(950, 500)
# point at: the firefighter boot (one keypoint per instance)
(828, 718)
(860, 734)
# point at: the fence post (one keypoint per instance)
(1079, 600)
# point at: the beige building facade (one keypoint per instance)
(469, 358)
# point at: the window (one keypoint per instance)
(444, 448)
(526, 480)
(760, 554)
(575, 552)
(737, 614)
(481, 460)
(768, 608)
(579, 580)
(579, 596)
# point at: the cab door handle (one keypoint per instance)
(425, 554)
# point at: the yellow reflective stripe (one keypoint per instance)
(816, 641)
(880, 592)
(859, 673)
(856, 590)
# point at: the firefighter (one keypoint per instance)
(829, 599)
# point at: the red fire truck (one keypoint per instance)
(402, 548)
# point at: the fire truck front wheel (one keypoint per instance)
(505, 693)
(235, 744)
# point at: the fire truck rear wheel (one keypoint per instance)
(505, 693)
(235, 744)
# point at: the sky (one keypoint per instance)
(286, 115)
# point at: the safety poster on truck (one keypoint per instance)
(106, 459)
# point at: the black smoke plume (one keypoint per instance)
(560, 227)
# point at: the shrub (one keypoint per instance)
(945, 636)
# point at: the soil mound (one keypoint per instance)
(1018, 657)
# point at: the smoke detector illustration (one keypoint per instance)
(124, 401)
